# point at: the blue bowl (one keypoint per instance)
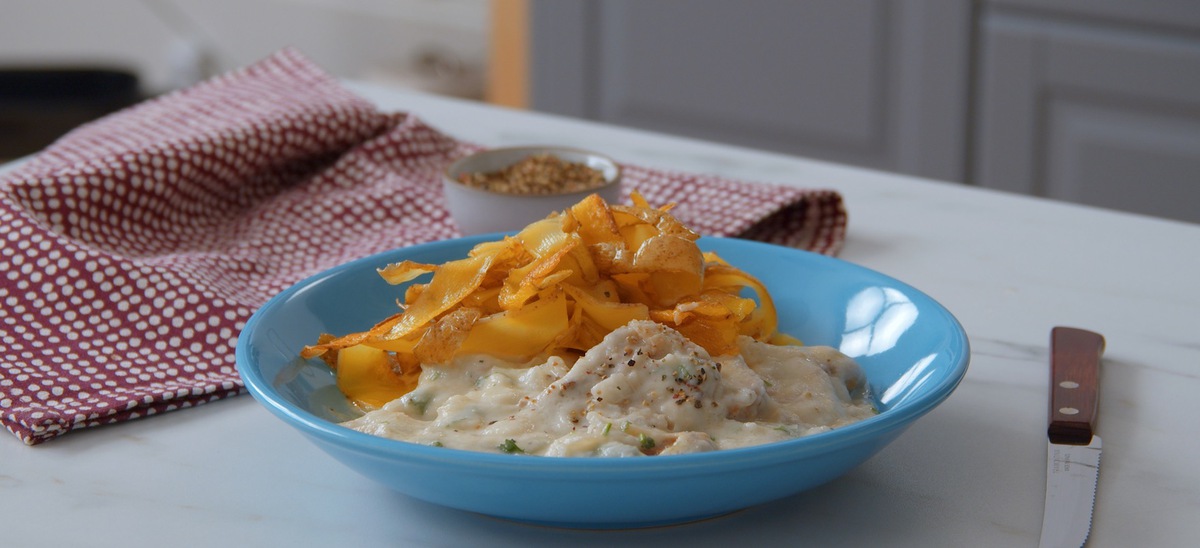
(913, 351)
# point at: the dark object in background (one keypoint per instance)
(39, 105)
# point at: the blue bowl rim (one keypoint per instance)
(587, 467)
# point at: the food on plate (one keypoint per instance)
(538, 174)
(599, 330)
(644, 390)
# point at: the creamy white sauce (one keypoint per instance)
(645, 390)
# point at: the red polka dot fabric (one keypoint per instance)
(135, 248)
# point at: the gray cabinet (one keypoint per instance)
(1094, 101)
(824, 78)
(1101, 114)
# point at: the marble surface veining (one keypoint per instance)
(971, 473)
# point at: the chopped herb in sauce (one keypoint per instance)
(510, 446)
(420, 403)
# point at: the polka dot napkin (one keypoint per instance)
(135, 248)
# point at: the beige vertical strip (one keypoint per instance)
(508, 58)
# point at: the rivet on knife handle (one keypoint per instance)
(1075, 377)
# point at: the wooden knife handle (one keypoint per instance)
(1075, 384)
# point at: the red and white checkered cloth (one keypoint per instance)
(135, 248)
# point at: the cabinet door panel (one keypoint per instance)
(1147, 162)
(808, 71)
(872, 82)
(1099, 115)
(1163, 14)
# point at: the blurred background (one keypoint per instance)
(1090, 101)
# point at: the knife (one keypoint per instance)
(1073, 456)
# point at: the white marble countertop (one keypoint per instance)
(971, 473)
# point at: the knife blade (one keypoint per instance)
(1073, 454)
